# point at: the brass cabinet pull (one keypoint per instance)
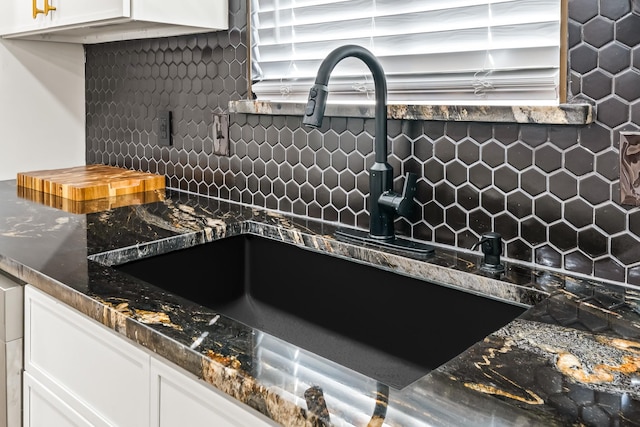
(45, 11)
(35, 9)
(48, 7)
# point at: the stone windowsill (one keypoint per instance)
(563, 114)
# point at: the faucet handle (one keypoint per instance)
(407, 204)
(403, 204)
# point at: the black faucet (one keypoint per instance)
(383, 203)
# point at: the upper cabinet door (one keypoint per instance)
(29, 15)
(98, 21)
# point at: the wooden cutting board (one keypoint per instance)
(90, 182)
(91, 206)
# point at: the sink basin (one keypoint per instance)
(387, 326)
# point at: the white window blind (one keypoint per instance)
(474, 52)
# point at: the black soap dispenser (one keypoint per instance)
(491, 246)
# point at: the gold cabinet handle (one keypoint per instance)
(45, 11)
(48, 7)
(35, 9)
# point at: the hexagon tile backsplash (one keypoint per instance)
(552, 191)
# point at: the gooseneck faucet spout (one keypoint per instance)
(384, 204)
(381, 173)
(317, 102)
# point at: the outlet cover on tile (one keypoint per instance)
(630, 168)
(220, 134)
(164, 127)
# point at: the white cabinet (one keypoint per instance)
(43, 408)
(181, 399)
(11, 328)
(101, 376)
(82, 21)
(79, 373)
(36, 15)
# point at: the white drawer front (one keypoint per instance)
(44, 408)
(183, 400)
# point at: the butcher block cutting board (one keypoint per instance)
(90, 182)
(91, 206)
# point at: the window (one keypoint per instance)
(464, 52)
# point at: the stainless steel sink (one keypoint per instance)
(387, 326)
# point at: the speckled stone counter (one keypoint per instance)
(572, 358)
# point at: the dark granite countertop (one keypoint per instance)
(573, 358)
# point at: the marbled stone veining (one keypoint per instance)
(572, 114)
(572, 358)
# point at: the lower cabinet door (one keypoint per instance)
(80, 373)
(82, 361)
(180, 399)
(42, 408)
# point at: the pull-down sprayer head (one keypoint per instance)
(314, 112)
